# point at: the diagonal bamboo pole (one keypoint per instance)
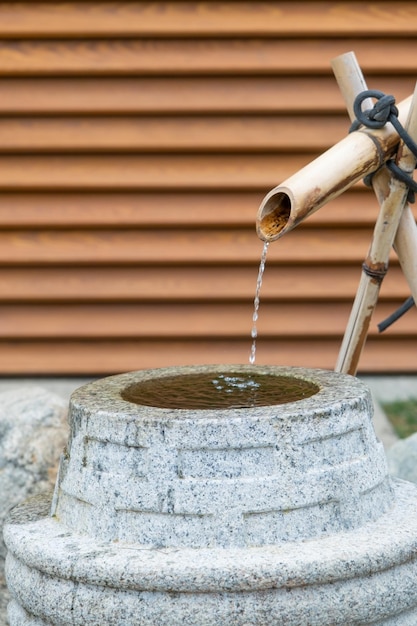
(393, 217)
(405, 245)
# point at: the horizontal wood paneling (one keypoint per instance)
(212, 94)
(184, 246)
(172, 134)
(201, 56)
(165, 209)
(137, 140)
(167, 284)
(161, 171)
(126, 19)
(188, 321)
(101, 357)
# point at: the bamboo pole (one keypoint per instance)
(405, 245)
(392, 196)
(358, 154)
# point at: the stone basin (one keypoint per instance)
(270, 508)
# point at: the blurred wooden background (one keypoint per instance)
(137, 140)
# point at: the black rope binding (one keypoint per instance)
(397, 314)
(383, 111)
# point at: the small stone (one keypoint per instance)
(33, 433)
(402, 459)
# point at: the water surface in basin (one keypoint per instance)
(212, 390)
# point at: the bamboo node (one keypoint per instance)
(376, 273)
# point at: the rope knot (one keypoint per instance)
(380, 113)
(382, 109)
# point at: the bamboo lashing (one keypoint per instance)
(392, 196)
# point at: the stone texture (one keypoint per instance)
(4, 596)
(402, 459)
(33, 432)
(277, 515)
(359, 578)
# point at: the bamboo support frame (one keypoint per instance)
(395, 224)
(360, 153)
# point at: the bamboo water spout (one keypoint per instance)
(360, 153)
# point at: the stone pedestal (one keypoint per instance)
(271, 515)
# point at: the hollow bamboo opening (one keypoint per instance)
(274, 216)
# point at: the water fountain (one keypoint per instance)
(211, 495)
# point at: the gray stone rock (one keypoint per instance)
(402, 459)
(33, 433)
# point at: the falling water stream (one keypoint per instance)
(254, 332)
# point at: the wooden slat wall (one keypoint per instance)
(137, 140)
